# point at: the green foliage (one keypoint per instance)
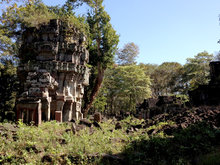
(100, 102)
(33, 15)
(183, 98)
(103, 36)
(172, 78)
(8, 89)
(149, 69)
(182, 148)
(210, 159)
(52, 140)
(165, 78)
(13, 20)
(125, 86)
(196, 71)
(54, 143)
(102, 48)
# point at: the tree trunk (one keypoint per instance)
(98, 83)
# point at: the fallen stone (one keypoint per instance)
(97, 117)
(183, 125)
(96, 124)
(85, 122)
(80, 127)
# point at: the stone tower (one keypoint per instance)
(52, 73)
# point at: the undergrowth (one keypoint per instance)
(54, 143)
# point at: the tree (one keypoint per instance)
(128, 54)
(165, 78)
(13, 20)
(8, 89)
(149, 69)
(125, 86)
(100, 102)
(103, 46)
(196, 71)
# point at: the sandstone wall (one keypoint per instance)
(52, 73)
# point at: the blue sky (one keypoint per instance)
(165, 30)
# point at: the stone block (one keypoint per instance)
(58, 116)
(97, 117)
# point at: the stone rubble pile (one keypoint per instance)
(186, 117)
(154, 106)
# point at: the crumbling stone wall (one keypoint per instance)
(52, 73)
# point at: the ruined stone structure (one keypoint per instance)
(52, 73)
(208, 94)
(154, 106)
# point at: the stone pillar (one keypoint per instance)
(33, 112)
(46, 108)
(79, 115)
(19, 112)
(59, 108)
(39, 117)
(67, 110)
(74, 110)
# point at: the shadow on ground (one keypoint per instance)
(185, 146)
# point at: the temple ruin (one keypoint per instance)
(52, 73)
(208, 94)
(155, 106)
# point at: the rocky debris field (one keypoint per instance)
(128, 141)
(186, 117)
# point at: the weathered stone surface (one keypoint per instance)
(85, 122)
(97, 117)
(58, 116)
(52, 73)
(186, 117)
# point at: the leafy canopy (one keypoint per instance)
(128, 54)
